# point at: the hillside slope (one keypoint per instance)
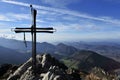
(86, 60)
(11, 56)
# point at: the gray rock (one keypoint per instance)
(48, 68)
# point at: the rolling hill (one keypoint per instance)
(86, 60)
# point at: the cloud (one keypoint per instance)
(18, 17)
(69, 18)
(73, 21)
(14, 17)
(59, 3)
(4, 30)
(76, 27)
(15, 2)
(68, 12)
(40, 21)
(4, 18)
(67, 22)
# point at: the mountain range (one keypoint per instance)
(14, 51)
(107, 48)
(41, 47)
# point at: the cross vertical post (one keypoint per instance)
(33, 30)
(33, 33)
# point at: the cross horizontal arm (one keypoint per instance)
(49, 28)
(35, 31)
(38, 30)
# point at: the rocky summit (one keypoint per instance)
(48, 68)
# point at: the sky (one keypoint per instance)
(74, 20)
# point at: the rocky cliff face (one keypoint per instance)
(48, 68)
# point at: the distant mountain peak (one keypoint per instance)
(61, 44)
(45, 43)
(65, 49)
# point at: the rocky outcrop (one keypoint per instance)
(48, 68)
(99, 74)
(6, 70)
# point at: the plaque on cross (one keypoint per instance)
(33, 30)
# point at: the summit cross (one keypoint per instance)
(33, 30)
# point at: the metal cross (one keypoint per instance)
(33, 30)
